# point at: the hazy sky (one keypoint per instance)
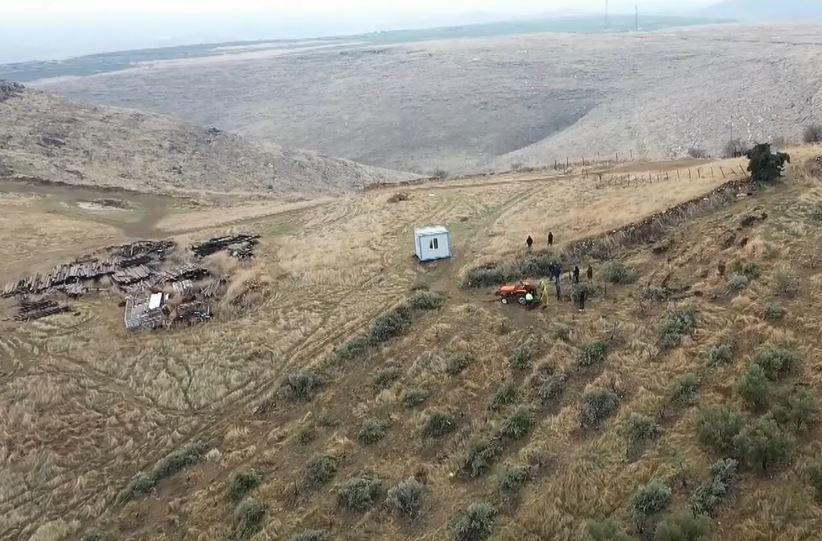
(53, 29)
(41, 7)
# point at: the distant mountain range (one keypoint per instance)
(766, 10)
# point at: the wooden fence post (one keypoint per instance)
(689, 174)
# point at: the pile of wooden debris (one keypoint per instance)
(157, 294)
(239, 246)
(28, 310)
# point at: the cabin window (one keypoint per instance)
(436, 244)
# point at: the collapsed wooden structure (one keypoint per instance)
(141, 272)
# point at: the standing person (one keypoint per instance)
(550, 238)
(559, 293)
(582, 300)
(530, 242)
(590, 273)
(576, 274)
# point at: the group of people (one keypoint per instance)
(530, 241)
(555, 272)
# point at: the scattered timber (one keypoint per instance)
(239, 246)
(29, 310)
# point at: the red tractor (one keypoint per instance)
(524, 293)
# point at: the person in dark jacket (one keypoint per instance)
(590, 273)
(550, 238)
(576, 274)
(582, 300)
(529, 241)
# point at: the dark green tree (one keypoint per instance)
(763, 443)
(764, 165)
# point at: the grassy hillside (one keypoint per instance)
(55, 140)
(374, 398)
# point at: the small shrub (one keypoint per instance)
(306, 435)
(353, 348)
(798, 410)
(371, 431)
(785, 283)
(248, 519)
(439, 174)
(717, 427)
(406, 497)
(749, 269)
(710, 494)
(597, 405)
(698, 153)
(641, 427)
(552, 387)
(737, 282)
(676, 323)
(521, 356)
(321, 469)
(384, 378)
(97, 535)
(242, 482)
(604, 531)
(505, 395)
(563, 332)
(458, 362)
(518, 424)
(476, 523)
(773, 311)
(649, 499)
(685, 390)
(144, 483)
(734, 148)
(617, 273)
(310, 535)
(480, 457)
(389, 325)
(582, 288)
(753, 387)
(512, 479)
(426, 300)
(301, 385)
(656, 293)
(812, 134)
(359, 493)
(684, 527)
(815, 477)
(438, 424)
(414, 397)
(776, 362)
(593, 353)
(720, 354)
(763, 443)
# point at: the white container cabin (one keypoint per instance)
(432, 243)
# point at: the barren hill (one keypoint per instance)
(463, 104)
(50, 138)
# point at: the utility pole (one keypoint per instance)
(606, 13)
(636, 17)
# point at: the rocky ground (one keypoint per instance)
(495, 102)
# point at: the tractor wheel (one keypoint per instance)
(504, 300)
(521, 300)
